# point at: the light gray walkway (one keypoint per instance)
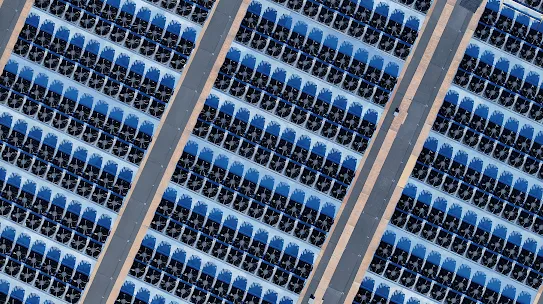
(10, 11)
(394, 165)
(145, 188)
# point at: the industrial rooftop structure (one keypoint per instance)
(271, 151)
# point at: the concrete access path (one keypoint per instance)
(12, 18)
(426, 78)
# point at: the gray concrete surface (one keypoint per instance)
(394, 165)
(153, 171)
(10, 11)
